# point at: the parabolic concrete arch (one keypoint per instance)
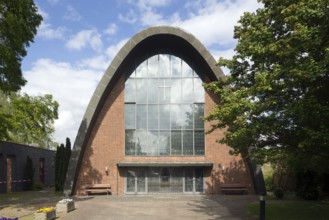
(154, 40)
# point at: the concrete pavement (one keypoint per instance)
(161, 207)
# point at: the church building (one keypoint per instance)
(143, 133)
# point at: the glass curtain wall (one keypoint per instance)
(164, 180)
(164, 103)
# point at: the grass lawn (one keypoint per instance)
(301, 210)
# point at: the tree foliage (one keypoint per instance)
(19, 20)
(27, 119)
(275, 102)
(62, 159)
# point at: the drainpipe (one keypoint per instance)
(117, 180)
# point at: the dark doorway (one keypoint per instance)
(9, 173)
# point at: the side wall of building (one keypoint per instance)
(18, 154)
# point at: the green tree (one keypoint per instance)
(275, 102)
(62, 159)
(28, 120)
(19, 20)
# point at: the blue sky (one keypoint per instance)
(78, 39)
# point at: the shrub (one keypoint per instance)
(38, 185)
(279, 193)
(307, 185)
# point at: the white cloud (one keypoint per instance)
(100, 62)
(150, 17)
(112, 51)
(71, 86)
(46, 31)
(130, 17)
(152, 3)
(111, 29)
(213, 22)
(44, 14)
(71, 14)
(85, 38)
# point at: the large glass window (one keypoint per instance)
(164, 180)
(164, 103)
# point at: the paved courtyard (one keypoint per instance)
(161, 207)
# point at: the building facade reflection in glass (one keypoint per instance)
(164, 100)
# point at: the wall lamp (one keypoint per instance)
(106, 171)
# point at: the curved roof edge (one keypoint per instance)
(137, 44)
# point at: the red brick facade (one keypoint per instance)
(106, 148)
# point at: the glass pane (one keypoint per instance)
(153, 66)
(141, 187)
(198, 90)
(164, 90)
(164, 142)
(199, 180)
(186, 70)
(199, 142)
(187, 116)
(153, 143)
(141, 119)
(188, 180)
(176, 180)
(198, 113)
(176, 142)
(141, 70)
(130, 90)
(176, 65)
(187, 142)
(141, 90)
(152, 86)
(176, 117)
(130, 142)
(187, 90)
(164, 116)
(164, 65)
(176, 91)
(153, 117)
(141, 142)
(165, 179)
(130, 116)
(153, 180)
(131, 181)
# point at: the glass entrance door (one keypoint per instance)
(164, 180)
(135, 181)
(189, 180)
(193, 181)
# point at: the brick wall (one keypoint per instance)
(105, 148)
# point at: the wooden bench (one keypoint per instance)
(233, 188)
(98, 188)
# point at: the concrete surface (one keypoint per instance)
(161, 207)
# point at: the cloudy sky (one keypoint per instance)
(78, 39)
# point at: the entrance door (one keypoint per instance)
(9, 173)
(135, 181)
(189, 180)
(198, 183)
(193, 180)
